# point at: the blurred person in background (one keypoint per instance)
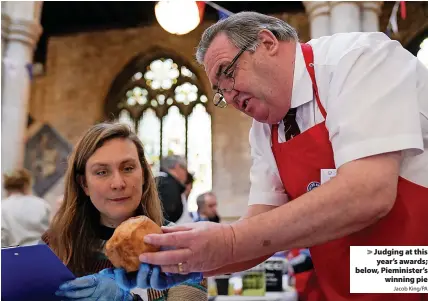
(170, 183)
(186, 217)
(207, 208)
(24, 217)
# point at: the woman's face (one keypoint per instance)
(114, 180)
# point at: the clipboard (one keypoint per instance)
(31, 273)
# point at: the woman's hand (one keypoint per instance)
(152, 277)
(96, 287)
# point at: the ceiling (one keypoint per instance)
(66, 17)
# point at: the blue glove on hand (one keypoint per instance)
(152, 277)
(97, 287)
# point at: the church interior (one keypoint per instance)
(95, 61)
(68, 65)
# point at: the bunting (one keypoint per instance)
(222, 12)
(392, 23)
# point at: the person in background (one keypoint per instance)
(170, 183)
(24, 217)
(186, 217)
(108, 180)
(207, 208)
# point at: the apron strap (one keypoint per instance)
(308, 55)
(274, 134)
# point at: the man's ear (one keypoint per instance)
(268, 41)
(82, 183)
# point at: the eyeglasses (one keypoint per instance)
(227, 82)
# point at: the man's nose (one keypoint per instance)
(117, 181)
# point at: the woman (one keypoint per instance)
(108, 180)
(24, 217)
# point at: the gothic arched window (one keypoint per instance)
(162, 100)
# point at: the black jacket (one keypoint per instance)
(170, 190)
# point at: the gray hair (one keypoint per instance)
(242, 29)
(200, 200)
(171, 161)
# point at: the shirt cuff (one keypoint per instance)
(267, 198)
(412, 144)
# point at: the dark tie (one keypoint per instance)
(291, 128)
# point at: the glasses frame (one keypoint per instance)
(218, 98)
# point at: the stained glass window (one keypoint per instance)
(148, 132)
(125, 117)
(174, 133)
(170, 106)
(199, 151)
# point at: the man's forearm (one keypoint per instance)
(236, 267)
(335, 209)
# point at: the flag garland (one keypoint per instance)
(222, 12)
(392, 22)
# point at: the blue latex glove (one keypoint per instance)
(99, 287)
(152, 277)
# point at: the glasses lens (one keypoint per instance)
(228, 84)
(219, 101)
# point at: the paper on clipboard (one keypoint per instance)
(31, 273)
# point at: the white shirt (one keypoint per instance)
(185, 217)
(24, 219)
(375, 94)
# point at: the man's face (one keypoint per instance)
(180, 173)
(255, 91)
(210, 208)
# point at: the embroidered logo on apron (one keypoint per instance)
(312, 185)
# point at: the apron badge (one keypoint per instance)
(312, 185)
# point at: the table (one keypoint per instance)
(270, 296)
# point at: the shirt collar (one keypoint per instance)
(302, 91)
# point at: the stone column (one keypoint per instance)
(370, 11)
(24, 32)
(5, 22)
(319, 18)
(345, 16)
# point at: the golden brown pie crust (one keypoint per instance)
(126, 244)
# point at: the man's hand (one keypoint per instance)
(197, 247)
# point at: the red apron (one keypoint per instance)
(299, 162)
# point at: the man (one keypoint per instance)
(207, 208)
(171, 185)
(354, 104)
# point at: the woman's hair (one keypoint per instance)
(73, 236)
(18, 180)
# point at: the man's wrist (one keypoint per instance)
(230, 241)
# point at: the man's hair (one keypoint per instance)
(171, 161)
(200, 200)
(242, 29)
